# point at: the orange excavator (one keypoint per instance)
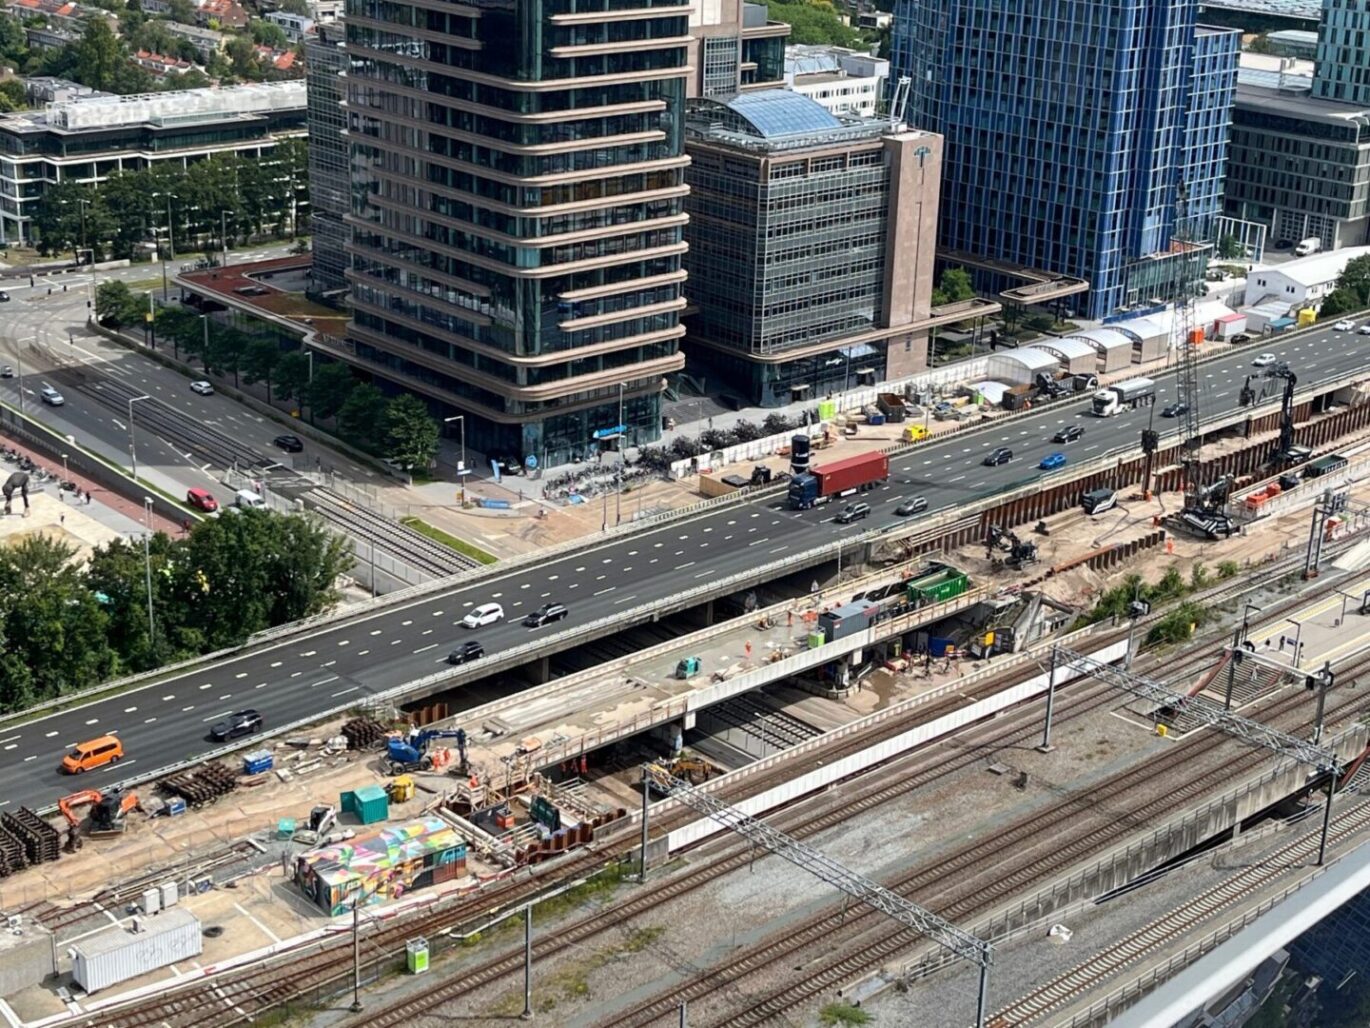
(107, 809)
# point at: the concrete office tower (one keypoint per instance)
(812, 242)
(1343, 61)
(518, 223)
(329, 174)
(1069, 125)
(733, 46)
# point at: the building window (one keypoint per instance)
(721, 65)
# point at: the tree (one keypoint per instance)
(954, 287)
(51, 621)
(361, 418)
(292, 375)
(14, 44)
(300, 7)
(116, 306)
(1338, 302)
(57, 216)
(332, 385)
(1355, 278)
(226, 348)
(260, 358)
(99, 57)
(182, 11)
(268, 33)
(813, 21)
(117, 577)
(1229, 249)
(12, 95)
(411, 434)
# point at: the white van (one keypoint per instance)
(1306, 246)
(246, 498)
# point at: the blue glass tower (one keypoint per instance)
(1069, 125)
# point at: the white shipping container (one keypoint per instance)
(117, 954)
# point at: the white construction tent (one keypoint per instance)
(1019, 367)
(1150, 336)
(1112, 349)
(1074, 355)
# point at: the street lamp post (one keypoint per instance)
(170, 234)
(622, 442)
(81, 205)
(461, 462)
(132, 444)
(223, 235)
(19, 371)
(147, 570)
(65, 476)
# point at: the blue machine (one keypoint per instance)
(411, 752)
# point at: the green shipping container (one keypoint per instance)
(938, 587)
(369, 803)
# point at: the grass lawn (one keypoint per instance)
(451, 541)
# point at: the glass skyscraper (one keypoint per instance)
(1343, 68)
(518, 213)
(1069, 127)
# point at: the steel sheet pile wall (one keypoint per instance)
(116, 955)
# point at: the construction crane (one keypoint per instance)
(1204, 510)
(411, 752)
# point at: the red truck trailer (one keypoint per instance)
(836, 477)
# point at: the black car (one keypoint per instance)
(1068, 434)
(245, 722)
(289, 443)
(547, 612)
(913, 505)
(998, 455)
(6, 371)
(853, 512)
(469, 650)
(1284, 244)
(4, 296)
(1174, 410)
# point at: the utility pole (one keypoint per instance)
(147, 570)
(646, 800)
(132, 445)
(527, 1014)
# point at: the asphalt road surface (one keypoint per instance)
(169, 721)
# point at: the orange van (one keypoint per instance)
(87, 756)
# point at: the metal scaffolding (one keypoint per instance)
(1212, 715)
(1252, 732)
(947, 935)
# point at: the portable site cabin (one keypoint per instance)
(1075, 355)
(1112, 349)
(381, 866)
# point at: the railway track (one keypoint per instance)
(1159, 934)
(979, 884)
(235, 997)
(392, 537)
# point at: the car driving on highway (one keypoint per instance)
(853, 512)
(289, 443)
(202, 387)
(1364, 329)
(1068, 434)
(469, 650)
(1052, 461)
(1345, 325)
(913, 505)
(52, 397)
(998, 455)
(1264, 360)
(547, 612)
(485, 614)
(6, 371)
(1174, 410)
(202, 499)
(245, 722)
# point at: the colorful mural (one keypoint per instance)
(381, 866)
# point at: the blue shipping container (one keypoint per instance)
(256, 762)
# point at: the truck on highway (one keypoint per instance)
(1306, 246)
(1129, 395)
(837, 478)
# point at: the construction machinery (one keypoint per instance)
(107, 809)
(411, 752)
(1205, 507)
(1285, 452)
(1019, 553)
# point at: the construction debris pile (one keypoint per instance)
(25, 838)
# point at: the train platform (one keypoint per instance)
(1330, 629)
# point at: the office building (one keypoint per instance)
(1069, 125)
(1297, 164)
(330, 190)
(518, 217)
(842, 81)
(812, 242)
(1295, 43)
(88, 138)
(734, 46)
(1343, 72)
